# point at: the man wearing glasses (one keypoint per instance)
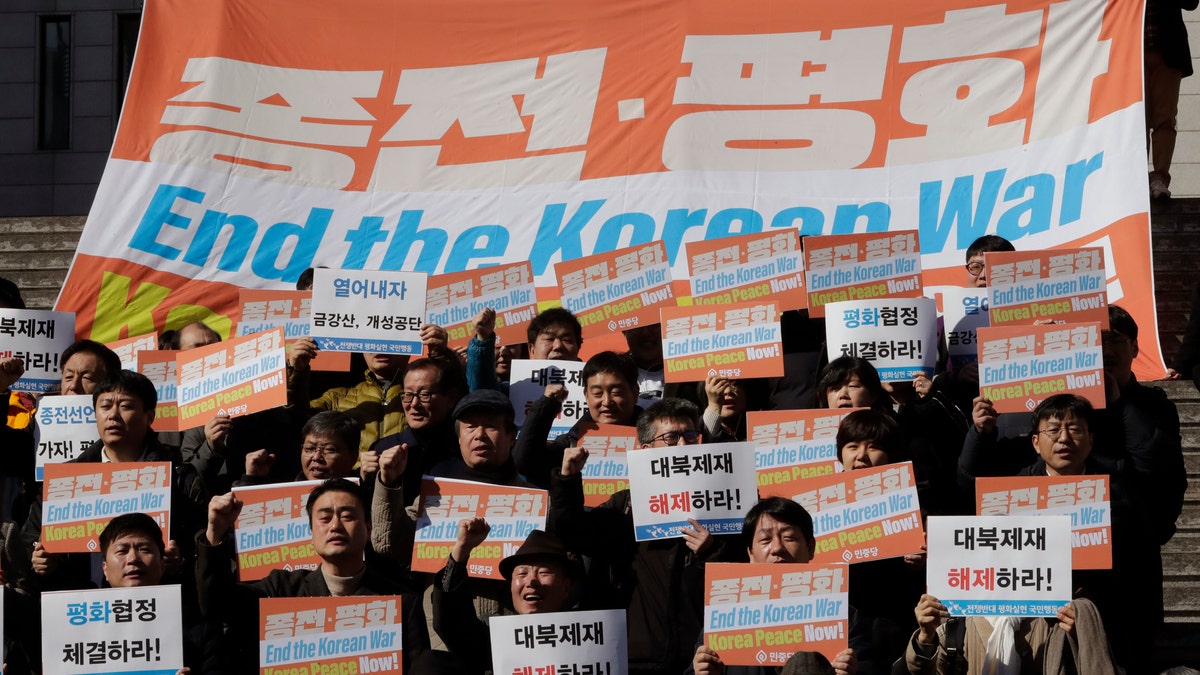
(659, 583)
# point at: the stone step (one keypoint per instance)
(45, 261)
(20, 242)
(69, 226)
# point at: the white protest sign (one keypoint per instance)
(897, 335)
(38, 338)
(528, 379)
(574, 642)
(367, 311)
(965, 311)
(715, 484)
(1000, 565)
(66, 425)
(112, 630)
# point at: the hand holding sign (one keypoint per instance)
(984, 415)
(930, 614)
(216, 431)
(301, 352)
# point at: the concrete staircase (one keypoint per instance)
(35, 254)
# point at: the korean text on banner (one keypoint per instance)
(159, 367)
(1025, 287)
(236, 377)
(66, 425)
(864, 514)
(512, 513)
(618, 290)
(1020, 366)
(846, 267)
(1000, 565)
(551, 131)
(731, 341)
(761, 614)
(528, 379)
(454, 300)
(113, 630)
(291, 310)
(714, 484)
(1084, 498)
(359, 311)
(748, 267)
(273, 531)
(80, 499)
(127, 350)
(794, 445)
(965, 311)
(606, 471)
(38, 338)
(897, 335)
(350, 634)
(561, 642)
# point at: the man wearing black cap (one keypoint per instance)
(483, 423)
(542, 578)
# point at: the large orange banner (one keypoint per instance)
(263, 137)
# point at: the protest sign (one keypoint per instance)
(761, 614)
(1000, 565)
(897, 335)
(512, 513)
(731, 341)
(454, 300)
(375, 312)
(127, 350)
(715, 484)
(794, 445)
(849, 267)
(159, 367)
(113, 630)
(38, 338)
(864, 514)
(291, 310)
(617, 290)
(965, 311)
(1084, 498)
(528, 379)
(606, 472)
(1060, 286)
(760, 266)
(235, 377)
(560, 642)
(349, 634)
(273, 531)
(80, 499)
(1020, 366)
(66, 425)
(550, 131)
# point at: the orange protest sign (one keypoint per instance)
(731, 341)
(236, 377)
(748, 267)
(618, 290)
(159, 367)
(262, 310)
(273, 531)
(794, 445)
(864, 514)
(80, 499)
(842, 267)
(761, 614)
(127, 350)
(512, 513)
(1025, 287)
(453, 300)
(1084, 498)
(351, 634)
(606, 472)
(1020, 366)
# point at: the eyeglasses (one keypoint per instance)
(422, 396)
(325, 453)
(672, 438)
(975, 268)
(1052, 433)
